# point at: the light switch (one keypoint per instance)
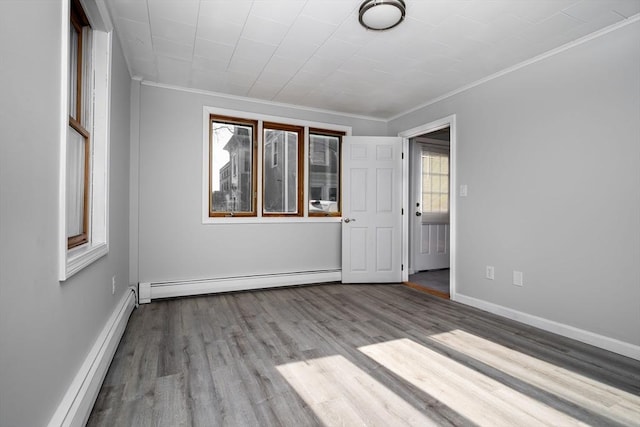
(463, 190)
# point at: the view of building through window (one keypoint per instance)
(324, 173)
(231, 167)
(281, 174)
(235, 189)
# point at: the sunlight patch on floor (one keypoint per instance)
(341, 394)
(603, 399)
(474, 395)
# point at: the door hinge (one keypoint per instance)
(401, 267)
(403, 155)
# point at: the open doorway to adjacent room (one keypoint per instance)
(429, 210)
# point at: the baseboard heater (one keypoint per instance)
(149, 291)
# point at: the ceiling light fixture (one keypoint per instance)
(381, 14)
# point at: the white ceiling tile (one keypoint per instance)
(315, 53)
(275, 79)
(535, 11)
(292, 94)
(173, 71)
(330, 11)
(264, 30)
(282, 65)
(146, 68)
(172, 49)
(337, 49)
(134, 10)
(282, 11)
(172, 30)
(321, 66)
(221, 32)
(183, 11)
(296, 48)
(202, 63)
(213, 50)
(589, 11)
(436, 11)
(626, 8)
(254, 50)
(135, 30)
(303, 78)
(550, 27)
(247, 66)
(263, 90)
(310, 30)
(224, 11)
(352, 32)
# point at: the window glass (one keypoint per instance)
(231, 167)
(324, 174)
(281, 180)
(76, 154)
(73, 71)
(435, 183)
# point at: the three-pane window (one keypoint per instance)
(233, 166)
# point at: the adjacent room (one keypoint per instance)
(319, 212)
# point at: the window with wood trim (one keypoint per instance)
(78, 136)
(283, 182)
(324, 172)
(435, 185)
(232, 166)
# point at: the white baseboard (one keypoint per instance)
(151, 291)
(601, 341)
(76, 405)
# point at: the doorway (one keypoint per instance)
(430, 223)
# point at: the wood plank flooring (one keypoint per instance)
(377, 355)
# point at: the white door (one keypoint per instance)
(429, 208)
(372, 210)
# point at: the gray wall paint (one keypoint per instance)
(173, 242)
(551, 155)
(48, 327)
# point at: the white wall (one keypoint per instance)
(47, 327)
(173, 242)
(551, 155)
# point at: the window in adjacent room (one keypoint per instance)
(324, 172)
(283, 182)
(232, 189)
(435, 186)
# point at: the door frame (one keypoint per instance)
(453, 220)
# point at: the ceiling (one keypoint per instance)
(314, 53)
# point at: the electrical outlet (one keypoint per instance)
(518, 278)
(113, 285)
(490, 274)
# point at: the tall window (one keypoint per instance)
(324, 172)
(78, 135)
(232, 188)
(435, 185)
(282, 183)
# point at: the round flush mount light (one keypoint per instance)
(381, 14)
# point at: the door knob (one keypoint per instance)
(418, 213)
(348, 220)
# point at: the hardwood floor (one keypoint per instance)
(380, 355)
(434, 282)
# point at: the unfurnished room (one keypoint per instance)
(319, 213)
